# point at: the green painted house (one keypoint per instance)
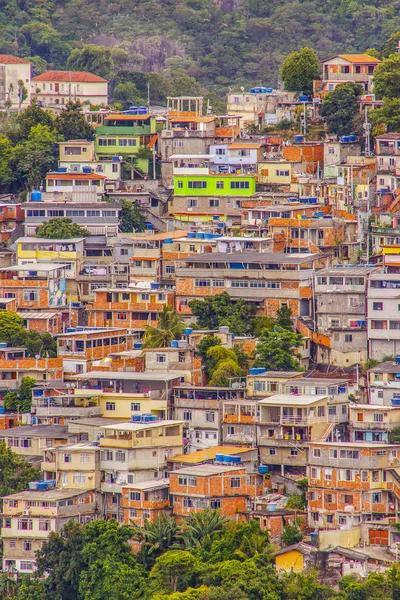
(214, 185)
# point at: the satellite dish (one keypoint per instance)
(242, 88)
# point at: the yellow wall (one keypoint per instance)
(348, 538)
(123, 406)
(290, 560)
(45, 254)
(267, 172)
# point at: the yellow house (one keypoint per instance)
(79, 155)
(75, 466)
(278, 172)
(269, 382)
(124, 406)
(294, 558)
(165, 434)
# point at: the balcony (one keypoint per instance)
(239, 418)
(48, 466)
(372, 425)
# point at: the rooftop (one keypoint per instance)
(349, 271)
(265, 258)
(122, 117)
(147, 486)
(8, 59)
(291, 400)
(131, 376)
(279, 374)
(355, 58)
(38, 240)
(388, 136)
(244, 146)
(207, 454)
(38, 315)
(140, 426)
(320, 381)
(96, 421)
(386, 367)
(91, 330)
(36, 431)
(88, 176)
(34, 267)
(206, 470)
(192, 120)
(47, 495)
(70, 77)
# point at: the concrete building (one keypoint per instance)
(383, 319)
(346, 68)
(30, 516)
(30, 441)
(341, 314)
(73, 466)
(384, 384)
(15, 82)
(54, 89)
(78, 156)
(145, 502)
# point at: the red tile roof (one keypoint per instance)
(67, 76)
(8, 59)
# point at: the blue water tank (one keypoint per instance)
(33, 485)
(227, 459)
(270, 90)
(208, 236)
(155, 285)
(303, 98)
(36, 196)
(397, 360)
(236, 459)
(215, 217)
(263, 469)
(313, 200)
(62, 169)
(138, 345)
(174, 344)
(219, 457)
(344, 139)
(86, 170)
(191, 235)
(299, 138)
(2, 410)
(272, 506)
(3, 344)
(188, 330)
(352, 138)
(257, 370)
(115, 158)
(168, 241)
(142, 110)
(153, 418)
(136, 418)
(314, 538)
(149, 226)
(200, 235)
(146, 418)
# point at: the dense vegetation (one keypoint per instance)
(219, 43)
(207, 557)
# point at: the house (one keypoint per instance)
(30, 516)
(145, 501)
(185, 106)
(80, 347)
(383, 320)
(384, 384)
(372, 423)
(35, 286)
(73, 466)
(11, 216)
(30, 441)
(78, 156)
(60, 181)
(341, 314)
(296, 557)
(346, 68)
(180, 357)
(248, 457)
(239, 422)
(267, 383)
(194, 488)
(54, 89)
(58, 404)
(12, 371)
(262, 106)
(289, 422)
(15, 82)
(235, 157)
(353, 487)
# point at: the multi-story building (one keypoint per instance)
(54, 89)
(15, 82)
(354, 486)
(201, 410)
(200, 194)
(78, 156)
(372, 423)
(181, 358)
(268, 280)
(133, 307)
(239, 422)
(31, 441)
(341, 314)
(60, 403)
(80, 348)
(387, 148)
(263, 106)
(216, 486)
(73, 466)
(30, 516)
(383, 320)
(145, 501)
(261, 383)
(384, 384)
(234, 157)
(288, 422)
(346, 68)
(11, 216)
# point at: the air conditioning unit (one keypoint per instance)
(26, 513)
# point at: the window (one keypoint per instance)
(240, 185)
(329, 498)
(317, 453)
(187, 415)
(79, 477)
(321, 411)
(375, 477)
(210, 417)
(315, 473)
(377, 306)
(107, 142)
(235, 482)
(126, 142)
(345, 475)
(328, 474)
(188, 503)
(315, 516)
(197, 185)
(272, 451)
(331, 150)
(134, 496)
(120, 456)
(346, 499)
(219, 185)
(214, 203)
(180, 185)
(259, 386)
(135, 406)
(107, 455)
(378, 417)
(85, 458)
(231, 430)
(161, 358)
(26, 443)
(376, 497)
(192, 203)
(30, 296)
(26, 565)
(146, 514)
(132, 512)
(25, 524)
(202, 283)
(294, 452)
(349, 454)
(110, 405)
(67, 458)
(27, 545)
(215, 504)
(348, 338)
(282, 173)
(178, 143)
(170, 269)
(121, 316)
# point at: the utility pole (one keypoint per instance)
(148, 95)
(367, 131)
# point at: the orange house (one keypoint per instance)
(145, 501)
(193, 489)
(35, 286)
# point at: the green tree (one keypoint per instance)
(224, 372)
(216, 311)
(32, 116)
(388, 115)
(184, 85)
(22, 399)
(15, 472)
(173, 571)
(260, 323)
(92, 58)
(22, 93)
(170, 327)
(284, 318)
(7, 175)
(30, 588)
(277, 350)
(394, 435)
(156, 537)
(389, 46)
(126, 94)
(37, 156)
(12, 332)
(60, 558)
(61, 229)
(41, 39)
(71, 123)
(387, 77)
(215, 354)
(8, 586)
(291, 534)
(200, 528)
(131, 217)
(340, 107)
(256, 546)
(299, 69)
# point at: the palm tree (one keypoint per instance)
(256, 545)
(200, 528)
(170, 327)
(8, 586)
(157, 537)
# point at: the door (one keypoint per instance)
(379, 537)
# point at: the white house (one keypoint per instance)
(55, 88)
(15, 82)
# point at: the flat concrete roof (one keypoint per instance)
(128, 376)
(206, 470)
(97, 421)
(46, 495)
(140, 426)
(293, 400)
(348, 271)
(200, 456)
(50, 431)
(317, 381)
(44, 267)
(40, 240)
(148, 485)
(265, 258)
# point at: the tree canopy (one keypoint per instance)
(299, 69)
(61, 228)
(15, 472)
(340, 107)
(387, 77)
(72, 125)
